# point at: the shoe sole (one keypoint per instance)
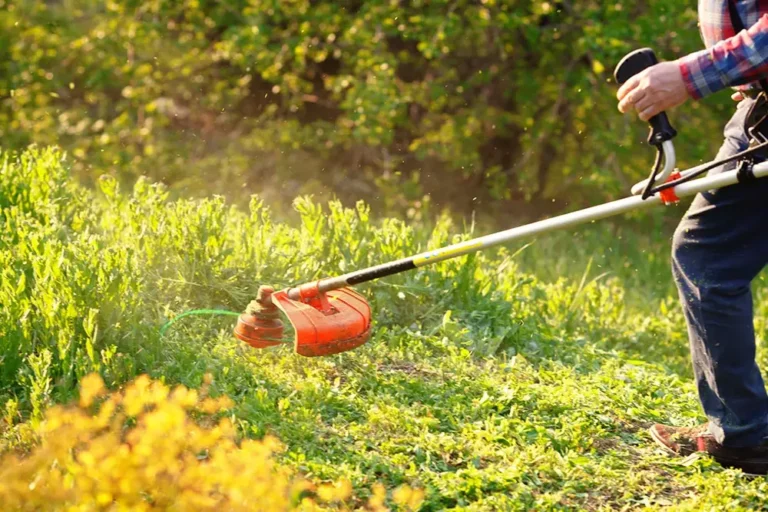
(660, 442)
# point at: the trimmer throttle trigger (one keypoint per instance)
(632, 64)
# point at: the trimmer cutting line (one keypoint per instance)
(329, 318)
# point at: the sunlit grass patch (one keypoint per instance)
(505, 380)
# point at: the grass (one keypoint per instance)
(501, 381)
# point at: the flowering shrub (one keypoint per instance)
(148, 447)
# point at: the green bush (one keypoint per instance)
(469, 101)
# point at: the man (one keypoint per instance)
(722, 242)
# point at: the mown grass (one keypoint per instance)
(509, 380)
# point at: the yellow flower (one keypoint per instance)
(378, 497)
(407, 497)
(91, 387)
(213, 405)
(184, 397)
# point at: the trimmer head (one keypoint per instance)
(260, 325)
(324, 323)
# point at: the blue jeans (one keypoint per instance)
(718, 249)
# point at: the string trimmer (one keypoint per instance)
(328, 317)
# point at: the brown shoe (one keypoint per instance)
(752, 460)
(680, 440)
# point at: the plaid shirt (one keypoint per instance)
(730, 60)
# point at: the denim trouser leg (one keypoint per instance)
(719, 247)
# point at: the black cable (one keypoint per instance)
(648, 192)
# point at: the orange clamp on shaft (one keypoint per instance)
(668, 196)
(310, 294)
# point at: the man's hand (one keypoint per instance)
(653, 90)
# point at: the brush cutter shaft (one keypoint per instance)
(529, 230)
(328, 318)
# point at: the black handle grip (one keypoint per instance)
(632, 64)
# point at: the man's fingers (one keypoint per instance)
(649, 112)
(644, 103)
(628, 86)
(631, 99)
(737, 96)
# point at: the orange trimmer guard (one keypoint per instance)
(326, 323)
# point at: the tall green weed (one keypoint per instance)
(89, 276)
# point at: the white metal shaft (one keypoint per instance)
(583, 216)
(528, 231)
(537, 228)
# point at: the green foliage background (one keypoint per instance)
(474, 102)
